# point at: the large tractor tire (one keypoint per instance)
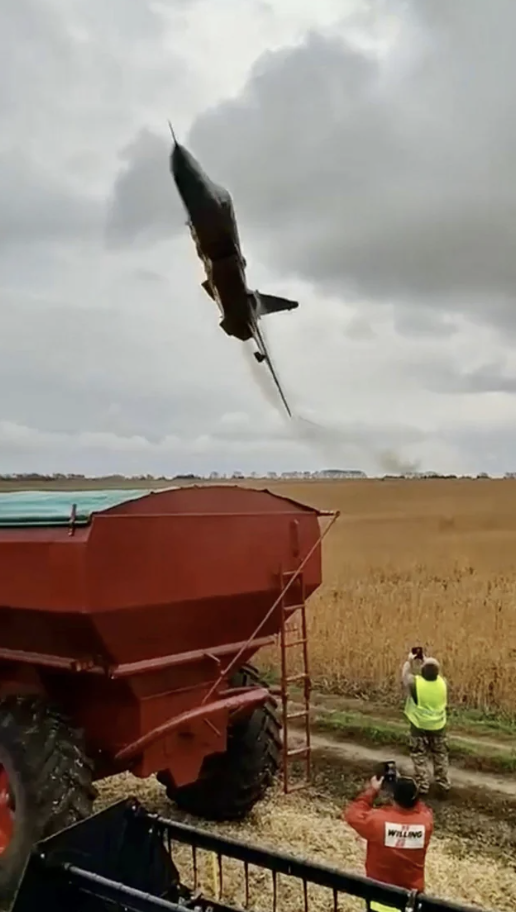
(45, 783)
(231, 784)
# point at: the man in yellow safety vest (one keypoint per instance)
(425, 708)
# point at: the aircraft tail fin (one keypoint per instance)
(269, 304)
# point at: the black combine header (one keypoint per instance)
(123, 859)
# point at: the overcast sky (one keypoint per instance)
(370, 149)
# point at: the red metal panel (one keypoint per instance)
(132, 620)
(43, 569)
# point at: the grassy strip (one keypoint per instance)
(376, 732)
(468, 722)
(477, 722)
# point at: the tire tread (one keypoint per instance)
(232, 783)
(49, 762)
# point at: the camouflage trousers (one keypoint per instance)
(426, 746)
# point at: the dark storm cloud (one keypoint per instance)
(64, 368)
(417, 323)
(443, 376)
(36, 203)
(36, 207)
(393, 182)
(75, 77)
(34, 50)
(145, 204)
(380, 185)
(359, 330)
(489, 449)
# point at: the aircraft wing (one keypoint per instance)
(260, 342)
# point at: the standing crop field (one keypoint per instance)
(429, 562)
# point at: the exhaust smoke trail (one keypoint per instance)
(332, 443)
(263, 379)
(392, 463)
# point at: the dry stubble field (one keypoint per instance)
(422, 561)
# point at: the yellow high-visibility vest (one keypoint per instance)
(429, 713)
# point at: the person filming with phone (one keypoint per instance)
(397, 834)
(425, 708)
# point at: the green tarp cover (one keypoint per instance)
(54, 508)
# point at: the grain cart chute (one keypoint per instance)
(127, 859)
(127, 624)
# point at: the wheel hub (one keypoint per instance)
(6, 811)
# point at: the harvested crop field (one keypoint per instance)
(309, 826)
(416, 561)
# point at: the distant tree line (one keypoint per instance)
(325, 474)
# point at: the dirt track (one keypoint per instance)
(358, 754)
(479, 817)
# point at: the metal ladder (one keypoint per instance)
(289, 639)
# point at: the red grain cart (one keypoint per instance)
(125, 640)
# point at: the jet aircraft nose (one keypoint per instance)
(193, 185)
(183, 164)
(177, 160)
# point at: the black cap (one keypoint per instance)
(405, 792)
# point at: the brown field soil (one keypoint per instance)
(469, 860)
(468, 786)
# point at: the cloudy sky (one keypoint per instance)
(370, 149)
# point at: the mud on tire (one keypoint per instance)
(50, 781)
(230, 784)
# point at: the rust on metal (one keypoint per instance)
(183, 658)
(251, 698)
(64, 663)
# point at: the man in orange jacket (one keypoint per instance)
(397, 835)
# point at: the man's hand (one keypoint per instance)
(376, 783)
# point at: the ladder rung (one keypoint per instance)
(294, 634)
(299, 752)
(303, 676)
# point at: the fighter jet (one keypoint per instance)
(213, 227)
